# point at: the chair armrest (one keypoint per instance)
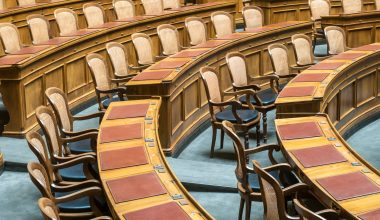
(75, 161)
(290, 190)
(328, 213)
(252, 86)
(115, 90)
(123, 79)
(235, 104)
(280, 166)
(92, 135)
(290, 75)
(76, 186)
(248, 93)
(72, 156)
(102, 218)
(267, 77)
(266, 147)
(99, 114)
(76, 133)
(299, 68)
(91, 191)
(138, 67)
(159, 57)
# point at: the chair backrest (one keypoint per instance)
(25, 2)
(37, 174)
(2, 5)
(143, 47)
(272, 194)
(39, 28)
(303, 48)
(152, 6)
(223, 23)
(169, 39)
(67, 20)
(352, 6)
(168, 4)
(279, 57)
(237, 67)
(377, 4)
(124, 8)
(319, 8)
(336, 39)
(94, 14)
(196, 29)
(99, 71)
(305, 213)
(48, 209)
(58, 100)
(10, 37)
(253, 16)
(211, 82)
(119, 58)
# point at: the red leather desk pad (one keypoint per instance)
(81, 32)
(299, 130)
(318, 156)
(161, 13)
(12, 59)
(109, 25)
(347, 56)
(231, 36)
(120, 133)
(297, 91)
(166, 211)
(348, 186)
(368, 48)
(190, 53)
(56, 41)
(311, 77)
(258, 29)
(135, 187)
(121, 158)
(373, 215)
(327, 66)
(132, 19)
(152, 75)
(168, 64)
(31, 50)
(211, 44)
(128, 111)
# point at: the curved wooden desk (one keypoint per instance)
(134, 172)
(320, 169)
(184, 103)
(24, 78)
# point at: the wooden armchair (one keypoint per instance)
(352, 6)
(253, 16)
(303, 50)
(336, 40)
(144, 50)
(197, 30)
(39, 28)
(264, 100)
(104, 85)
(10, 38)
(169, 38)
(223, 23)
(124, 9)
(67, 21)
(94, 14)
(247, 180)
(307, 214)
(26, 2)
(71, 200)
(279, 56)
(50, 211)
(58, 100)
(119, 59)
(318, 8)
(245, 119)
(152, 6)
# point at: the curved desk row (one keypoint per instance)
(177, 80)
(338, 176)
(24, 78)
(345, 86)
(136, 177)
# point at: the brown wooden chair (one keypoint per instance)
(58, 100)
(67, 21)
(247, 180)
(307, 214)
(26, 2)
(39, 28)
(144, 50)
(124, 9)
(50, 211)
(197, 30)
(169, 38)
(105, 87)
(253, 16)
(318, 8)
(119, 59)
(94, 14)
(223, 23)
(71, 200)
(152, 6)
(10, 38)
(245, 119)
(336, 40)
(303, 50)
(352, 6)
(264, 100)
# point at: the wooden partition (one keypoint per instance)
(23, 84)
(184, 103)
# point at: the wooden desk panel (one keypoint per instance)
(156, 158)
(349, 208)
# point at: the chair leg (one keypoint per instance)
(246, 140)
(247, 209)
(213, 141)
(265, 127)
(258, 134)
(221, 139)
(242, 201)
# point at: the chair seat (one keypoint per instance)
(74, 173)
(253, 180)
(78, 205)
(245, 114)
(267, 97)
(82, 146)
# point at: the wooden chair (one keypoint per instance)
(67, 21)
(104, 85)
(169, 38)
(26, 2)
(171, 4)
(274, 194)
(58, 101)
(10, 38)
(152, 6)
(264, 100)
(307, 214)
(303, 50)
(70, 200)
(318, 8)
(94, 14)
(245, 119)
(247, 180)
(223, 23)
(196, 30)
(144, 50)
(253, 16)
(50, 211)
(119, 59)
(336, 40)
(124, 9)
(279, 57)
(352, 6)
(39, 28)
